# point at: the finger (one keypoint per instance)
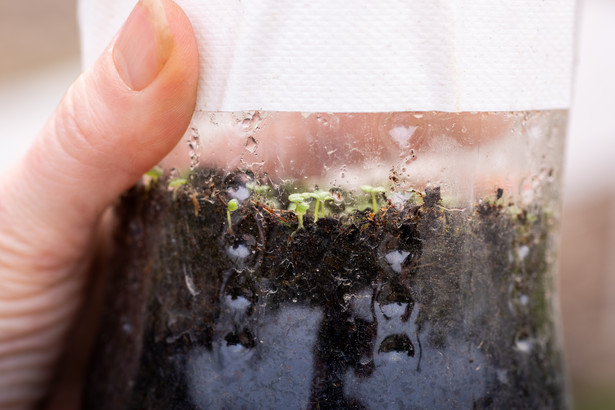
(116, 121)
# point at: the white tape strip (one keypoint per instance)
(363, 56)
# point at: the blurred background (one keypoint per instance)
(39, 49)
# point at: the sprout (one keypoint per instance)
(258, 189)
(296, 198)
(299, 205)
(262, 194)
(373, 190)
(154, 173)
(320, 196)
(151, 177)
(231, 207)
(175, 184)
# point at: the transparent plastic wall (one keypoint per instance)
(468, 155)
(316, 260)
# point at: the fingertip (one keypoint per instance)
(105, 134)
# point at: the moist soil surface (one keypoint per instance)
(408, 307)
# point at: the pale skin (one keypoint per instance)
(118, 120)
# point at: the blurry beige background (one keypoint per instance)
(39, 52)
(39, 58)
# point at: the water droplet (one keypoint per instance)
(239, 303)
(502, 376)
(528, 189)
(193, 146)
(294, 300)
(251, 144)
(238, 252)
(410, 156)
(244, 338)
(524, 345)
(522, 252)
(394, 310)
(361, 304)
(250, 121)
(395, 259)
(241, 193)
(401, 135)
(397, 343)
(398, 200)
(190, 283)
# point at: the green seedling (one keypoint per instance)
(299, 206)
(258, 189)
(231, 207)
(320, 196)
(373, 191)
(152, 176)
(262, 193)
(154, 173)
(175, 184)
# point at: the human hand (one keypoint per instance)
(116, 121)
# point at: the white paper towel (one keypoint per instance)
(369, 56)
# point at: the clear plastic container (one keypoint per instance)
(316, 260)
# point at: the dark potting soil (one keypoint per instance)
(419, 307)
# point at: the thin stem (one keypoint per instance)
(300, 219)
(374, 203)
(316, 210)
(228, 217)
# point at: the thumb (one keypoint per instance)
(116, 121)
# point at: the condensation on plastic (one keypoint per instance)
(469, 155)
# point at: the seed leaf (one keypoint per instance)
(233, 205)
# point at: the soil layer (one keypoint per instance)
(413, 307)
